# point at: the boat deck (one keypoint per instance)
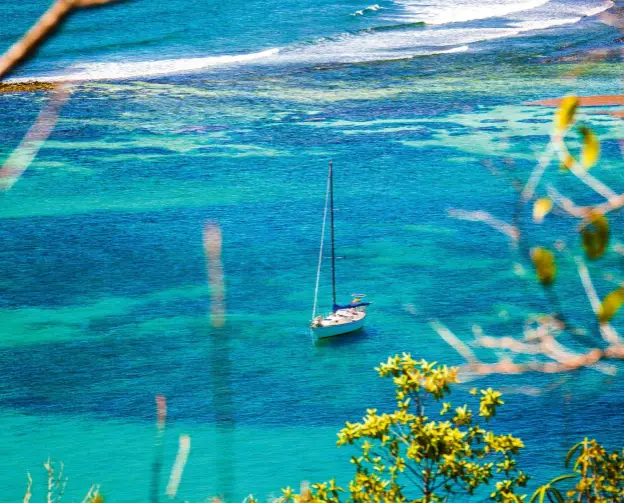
(342, 317)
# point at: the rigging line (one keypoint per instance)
(320, 260)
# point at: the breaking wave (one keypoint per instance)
(463, 11)
(412, 29)
(118, 71)
(371, 8)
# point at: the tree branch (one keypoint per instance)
(455, 342)
(41, 31)
(509, 230)
(24, 154)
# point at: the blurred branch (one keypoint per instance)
(178, 466)
(608, 332)
(579, 171)
(452, 340)
(567, 204)
(214, 265)
(509, 230)
(24, 154)
(536, 175)
(161, 418)
(614, 203)
(28, 492)
(540, 342)
(40, 32)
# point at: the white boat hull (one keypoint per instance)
(322, 332)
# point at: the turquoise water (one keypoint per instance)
(185, 118)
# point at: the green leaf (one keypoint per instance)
(557, 494)
(611, 305)
(595, 236)
(544, 262)
(568, 162)
(591, 147)
(564, 116)
(562, 477)
(571, 453)
(539, 493)
(541, 208)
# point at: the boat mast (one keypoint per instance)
(331, 214)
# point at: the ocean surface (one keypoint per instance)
(183, 113)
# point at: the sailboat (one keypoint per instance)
(346, 318)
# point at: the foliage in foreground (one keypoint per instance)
(598, 476)
(408, 456)
(56, 486)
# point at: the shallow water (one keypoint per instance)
(104, 300)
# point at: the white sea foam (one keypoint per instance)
(393, 45)
(531, 25)
(370, 8)
(128, 70)
(599, 9)
(462, 48)
(512, 17)
(463, 10)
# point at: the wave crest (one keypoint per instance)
(370, 8)
(128, 70)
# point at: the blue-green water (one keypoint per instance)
(104, 300)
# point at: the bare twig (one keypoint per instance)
(508, 343)
(614, 203)
(28, 493)
(161, 417)
(536, 175)
(41, 31)
(94, 490)
(509, 230)
(566, 204)
(579, 171)
(50, 470)
(212, 250)
(586, 281)
(544, 343)
(178, 466)
(455, 342)
(593, 183)
(608, 332)
(24, 154)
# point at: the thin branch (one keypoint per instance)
(536, 175)
(22, 157)
(50, 470)
(545, 344)
(580, 172)
(608, 332)
(178, 466)
(388, 460)
(28, 493)
(509, 230)
(508, 343)
(455, 342)
(41, 31)
(93, 492)
(593, 183)
(566, 204)
(586, 281)
(214, 265)
(614, 203)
